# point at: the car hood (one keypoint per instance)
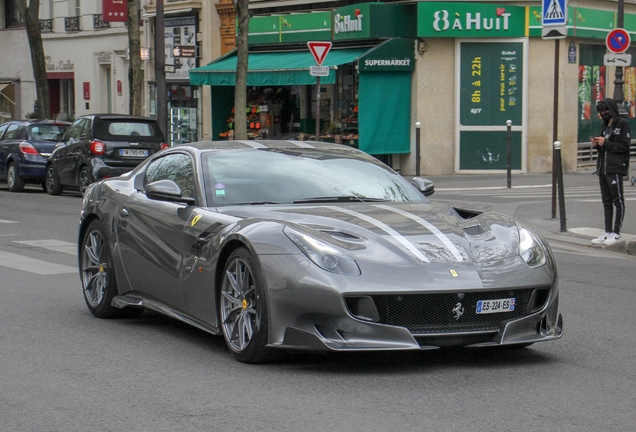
(397, 233)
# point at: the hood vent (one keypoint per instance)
(474, 230)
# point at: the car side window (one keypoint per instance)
(2, 129)
(75, 130)
(86, 127)
(12, 132)
(177, 167)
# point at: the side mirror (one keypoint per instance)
(424, 185)
(167, 190)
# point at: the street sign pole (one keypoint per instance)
(319, 51)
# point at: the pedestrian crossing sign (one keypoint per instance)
(554, 13)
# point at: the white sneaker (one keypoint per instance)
(613, 238)
(600, 239)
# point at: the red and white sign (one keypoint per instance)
(618, 40)
(319, 50)
(115, 10)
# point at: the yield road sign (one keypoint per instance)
(554, 13)
(618, 40)
(319, 50)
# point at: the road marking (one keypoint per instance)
(491, 188)
(31, 265)
(8, 221)
(54, 245)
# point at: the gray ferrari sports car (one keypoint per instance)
(311, 246)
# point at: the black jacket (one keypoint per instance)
(613, 156)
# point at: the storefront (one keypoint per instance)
(8, 93)
(183, 98)
(365, 101)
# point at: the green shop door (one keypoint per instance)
(491, 76)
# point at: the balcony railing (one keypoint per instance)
(72, 24)
(46, 26)
(99, 23)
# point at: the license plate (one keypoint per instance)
(494, 306)
(133, 153)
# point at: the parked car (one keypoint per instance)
(99, 146)
(25, 146)
(307, 245)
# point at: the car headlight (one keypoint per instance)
(531, 248)
(322, 254)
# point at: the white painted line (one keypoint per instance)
(54, 245)
(23, 263)
(492, 188)
(8, 221)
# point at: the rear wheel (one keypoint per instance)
(243, 309)
(15, 183)
(85, 179)
(52, 185)
(97, 272)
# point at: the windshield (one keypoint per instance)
(46, 132)
(305, 175)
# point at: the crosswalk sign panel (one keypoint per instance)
(554, 13)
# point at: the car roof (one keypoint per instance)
(261, 144)
(28, 122)
(117, 117)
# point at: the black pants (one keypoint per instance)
(612, 196)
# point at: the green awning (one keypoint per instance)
(273, 68)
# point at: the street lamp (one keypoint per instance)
(619, 94)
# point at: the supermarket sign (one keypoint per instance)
(451, 19)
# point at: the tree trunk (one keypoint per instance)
(240, 91)
(135, 78)
(38, 63)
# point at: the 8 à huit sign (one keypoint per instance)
(450, 19)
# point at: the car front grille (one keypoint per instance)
(433, 313)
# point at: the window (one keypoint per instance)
(75, 130)
(76, 8)
(177, 167)
(13, 16)
(12, 132)
(2, 129)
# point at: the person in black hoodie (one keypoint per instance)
(612, 164)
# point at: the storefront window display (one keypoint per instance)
(182, 106)
(591, 89)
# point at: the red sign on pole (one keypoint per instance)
(115, 10)
(319, 50)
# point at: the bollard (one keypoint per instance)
(559, 175)
(418, 125)
(509, 154)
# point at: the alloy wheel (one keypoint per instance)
(94, 268)
(240, 315)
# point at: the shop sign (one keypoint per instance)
(60, 66)
(396, 55)
(450, 19)
(300, 27)
(180, 33)
(581, 22)
(374, 20)
(115, 10)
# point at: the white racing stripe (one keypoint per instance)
(384, 227)
(253, 144)
(31, 265)
(429, 226)
(301, 144)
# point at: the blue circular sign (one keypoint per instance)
(618, 40)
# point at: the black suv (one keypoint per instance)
(99, 146)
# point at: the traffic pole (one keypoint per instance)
(418, 125)
(317, 107)
(559, 169)
(509, 154)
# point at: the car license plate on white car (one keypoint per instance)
(494, 306)
(133, 153)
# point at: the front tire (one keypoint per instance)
(85, 179)
(97, 272)
(51, 182)
(243, 309)
(14, 182)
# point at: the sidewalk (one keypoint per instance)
(584, 218)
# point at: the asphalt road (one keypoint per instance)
(61, 369)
